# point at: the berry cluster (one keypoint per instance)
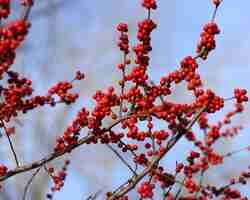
(3, 170)
(61, 90)
(27, 2)
(58, 178)
(17, 96)
(4, 8)
(124, 42)
(138, 74)
(216, 2)
(149, 4)
(71, 134)
(104, 104)
(79, 75)
(209, 99)
(240, 95)
(191, 186)
(146, 190)
(12, 35)
(207, 41)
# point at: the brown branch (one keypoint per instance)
(54, 155)
(29, 183)
(11, 144)
(41, 162)
(215, 11)
(180, 189)
(94, 196)
(134, 180)
(123, 83)
(121, 158)
(26, 12)
(235, 152)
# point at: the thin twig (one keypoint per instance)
(47, 170)
(29, 183)
(123, 83)
(235, 152)
(180, 189)
(133, 181)
(55, 155)
(11, 144)
(26, 12)
(121, 158)
(94, 196)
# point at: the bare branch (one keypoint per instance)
(134, 180)
(54, 155)
(121, 158)
(11, 144)
(29, 183)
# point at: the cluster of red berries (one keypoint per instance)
(79, 75)
(145, 28)
(27, 2)
(71, 134)
(104, 103)
(216, 2)
(203, 121)
(138, 74)
(214, 158)
(212, 135)
(191, 186)
(16, 97)
(11, 36)
(240, 95)
(122, 27)
(58, 178)
(6, 4)
(209, 99)
(4, 8)
(61, 90)
(146, 189)
(187, 72)
(188, 68)
(163, 178)
(192, 156)
(141, 159)
(13, 96)
(178, 167)
(124, 41)
(207, 40)
(3, 170)
(149, 4)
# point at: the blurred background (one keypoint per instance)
(69, 35)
